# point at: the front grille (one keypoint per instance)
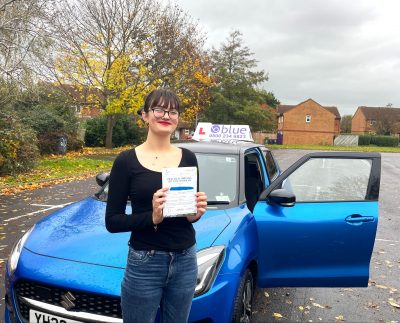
(84, 302)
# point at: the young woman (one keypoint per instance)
(161, 267)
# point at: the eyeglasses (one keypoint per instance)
(160, 113)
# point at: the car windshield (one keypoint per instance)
(218, 178)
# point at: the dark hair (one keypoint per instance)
(162, 98)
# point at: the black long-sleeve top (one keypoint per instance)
(128, 178)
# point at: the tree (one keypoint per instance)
(21, 25)
(122, 49)
(235, 97)
(345, 124)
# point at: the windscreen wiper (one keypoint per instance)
(217, 202)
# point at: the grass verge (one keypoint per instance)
(55, 169)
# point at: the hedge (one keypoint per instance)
(382, 141)
(125, 132)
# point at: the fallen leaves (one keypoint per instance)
(33, 186)
(317, 305)
(392, 302)
(55, 169)
(372, 305)
(340, 318)
(381, 286)
(277, 315)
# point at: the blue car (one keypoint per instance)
(312, 225)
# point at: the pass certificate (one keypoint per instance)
(181, 196)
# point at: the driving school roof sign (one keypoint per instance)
(220, 132)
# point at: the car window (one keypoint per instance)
(330, 179)
(271, 166)
(218, 176)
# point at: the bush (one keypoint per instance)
(18, 145)
(95, 134)
(74, 143)
(49, 142)
(385, 141)
(382, 141)
(50, 113)
(125, 132)
(364, 140)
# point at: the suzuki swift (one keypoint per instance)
(313, 225)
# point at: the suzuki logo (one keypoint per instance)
(68, 301)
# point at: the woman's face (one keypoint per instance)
(162, 119)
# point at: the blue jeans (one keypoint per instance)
(154, 278)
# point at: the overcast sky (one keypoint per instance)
(338, 52)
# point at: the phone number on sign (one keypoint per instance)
(227, 136)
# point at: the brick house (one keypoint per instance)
(365, 119)
(85, 107)
(307, 123)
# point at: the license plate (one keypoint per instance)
(40, 317)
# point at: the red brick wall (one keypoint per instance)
(337, 126)
(259, 137)
(89, 112)
(359, 124)
(307, 138)
(320, 130)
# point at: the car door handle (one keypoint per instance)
(358, 218)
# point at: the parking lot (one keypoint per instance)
(372, 304)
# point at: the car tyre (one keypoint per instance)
(244, 299)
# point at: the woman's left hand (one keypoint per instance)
(201, 204)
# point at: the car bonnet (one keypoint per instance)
(77, 233)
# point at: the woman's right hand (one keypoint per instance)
(158, 205)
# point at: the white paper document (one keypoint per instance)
(181, 196)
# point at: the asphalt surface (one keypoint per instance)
(18, 213)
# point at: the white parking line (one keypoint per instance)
(45, 205)
(49, 207)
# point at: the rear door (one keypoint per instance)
(327, 237)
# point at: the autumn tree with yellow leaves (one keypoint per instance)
(111, 53)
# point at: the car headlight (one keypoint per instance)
(208, 263)
(16, 252)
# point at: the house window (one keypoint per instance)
(308, 118)
(280, 119)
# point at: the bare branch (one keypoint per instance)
(3, 6)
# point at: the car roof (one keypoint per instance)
(214, 147)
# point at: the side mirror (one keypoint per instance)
(281, 197)
(102, 178)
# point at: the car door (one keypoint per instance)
(325, 237)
